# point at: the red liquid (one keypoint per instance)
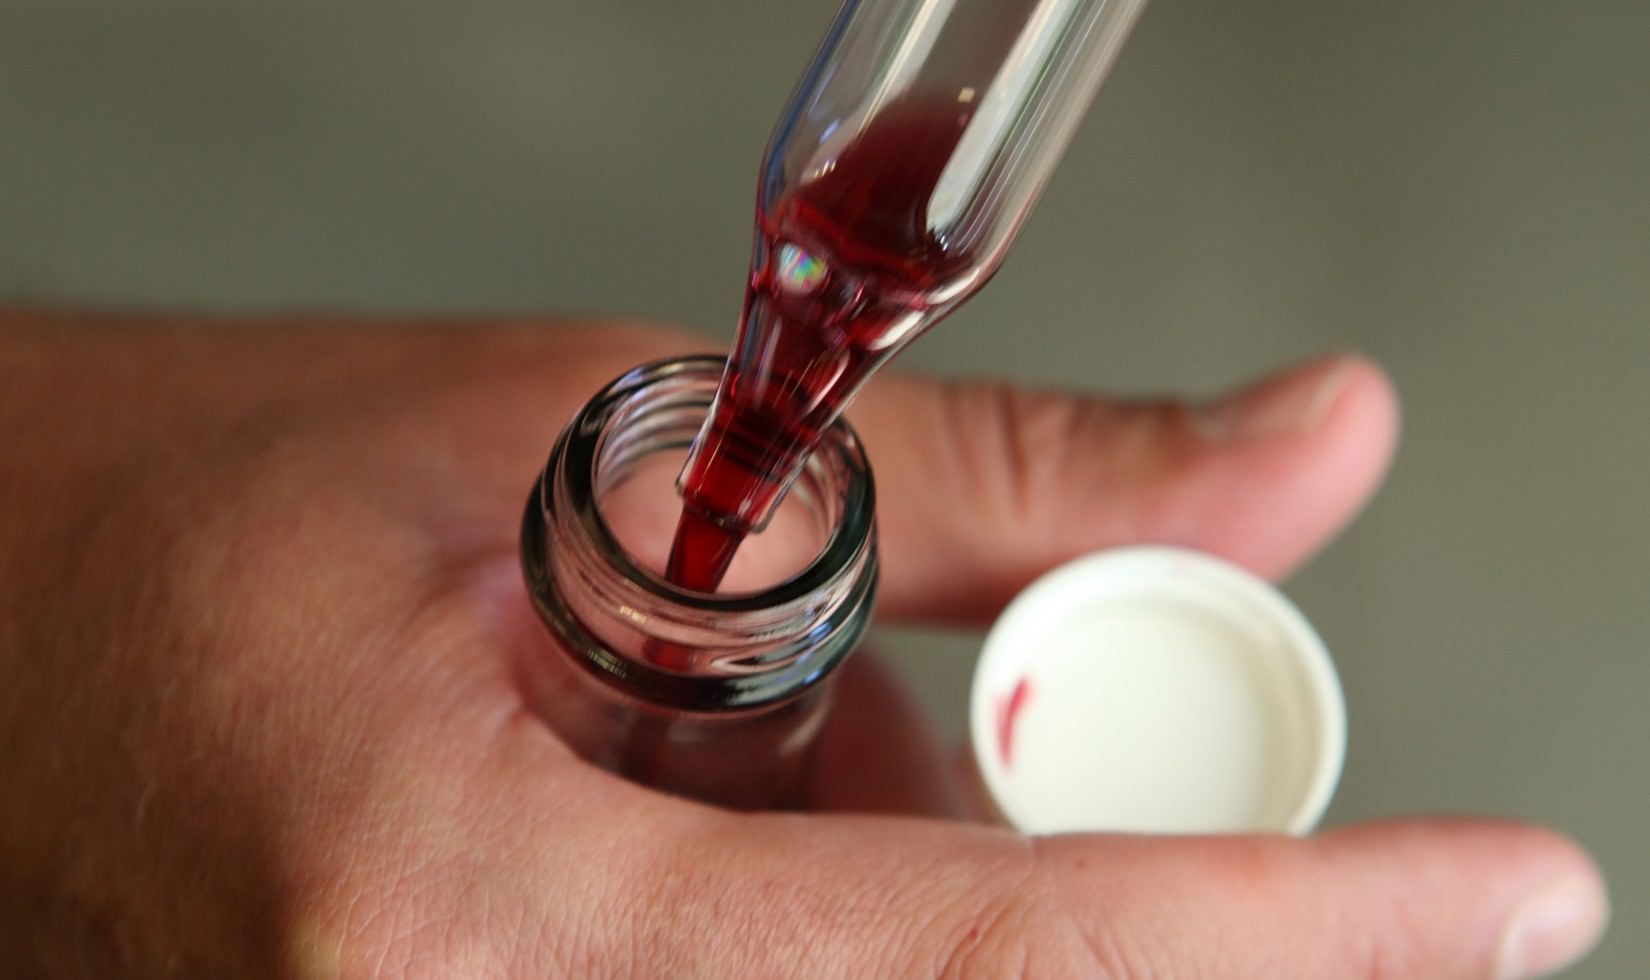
(701, 552)
(846, 269)
(1008, 713)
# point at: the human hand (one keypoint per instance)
(259, 599)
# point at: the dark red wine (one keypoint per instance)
(701, 552)
(1008, 715)
(847, 267)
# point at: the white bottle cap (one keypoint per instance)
(1156, 690)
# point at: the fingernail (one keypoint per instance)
(1293, 404)
(1552, 930)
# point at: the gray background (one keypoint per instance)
(1458, 188)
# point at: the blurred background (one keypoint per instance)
(1461, 189)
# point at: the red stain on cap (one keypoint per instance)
(1008, 711)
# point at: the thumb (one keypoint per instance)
(905, 898)
(982, 487)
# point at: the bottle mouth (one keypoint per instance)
(660, 406)
(606, 605)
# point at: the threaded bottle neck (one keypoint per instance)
(746, 649)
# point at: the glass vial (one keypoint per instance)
(733, 718)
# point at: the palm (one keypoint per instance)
(405, 505)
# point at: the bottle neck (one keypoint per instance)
(735, 651)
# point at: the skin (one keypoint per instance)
(259, 610)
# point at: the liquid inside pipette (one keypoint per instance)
(847, 269)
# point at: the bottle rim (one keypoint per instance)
(581, 452)
(797, 629)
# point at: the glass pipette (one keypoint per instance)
(894, 183)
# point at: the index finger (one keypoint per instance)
(982, 487)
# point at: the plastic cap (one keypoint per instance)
(1156, 690)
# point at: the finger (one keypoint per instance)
(893, 898)
(879, 752)
(982, 487)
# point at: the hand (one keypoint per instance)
(258, 594)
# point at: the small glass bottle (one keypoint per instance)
(733, 718)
